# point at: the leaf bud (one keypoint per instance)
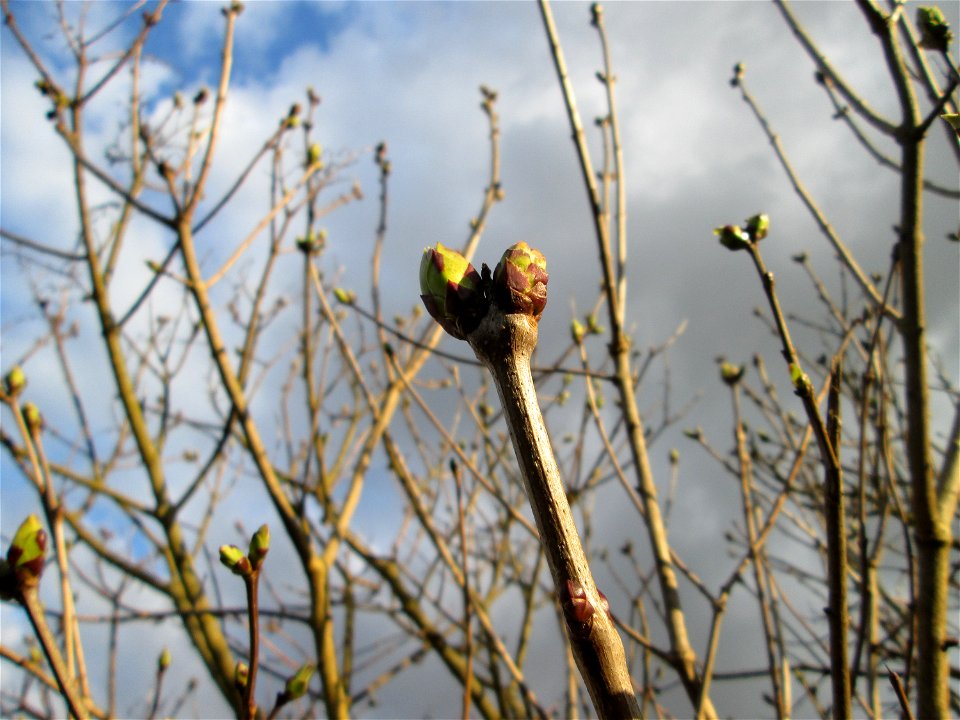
(520, 281)
(27, 552)
(757, 226)
(240, 675)
(935, 31)
(730, 373)
(596, 14)
(233, 558)
(801, 381)
(577, 331)
(15, 381)
(450, 288)
(32, 417)
(738, 71)
(298, 683)
(732, 237)
(346, 297)
(163, 662)
(259, 545)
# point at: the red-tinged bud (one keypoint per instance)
(241, 673)
(450, 288)
(27, 552)
(259, 546)
(732, 237)
(233, 558)
(520, 281)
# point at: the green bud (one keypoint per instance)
(259, 545)
(577, 331)
(233, 558)
(674, 456)
(520, 281)
(163, 662)
(32, 417)
(297, 685)
(730, 373)
(953, 119)
(240, 675)
(593, 325)
(347, 297)
(757, 226)
(934, 29)
(801, 381)
(27, 552)
(15, 381)
(450, 289)
(732, 237)
(313, 153)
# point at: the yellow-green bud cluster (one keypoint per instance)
(733, 237)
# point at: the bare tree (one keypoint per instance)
(220, 377)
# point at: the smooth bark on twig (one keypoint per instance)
(837, 555)
(504, 343)
(31, 603)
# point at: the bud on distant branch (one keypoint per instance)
(758, 226)
(15, 381)
(935, 31)
(27, 552)
(733, 237)
(32, 417)
(241, 673)
(297, 685)
(730, 373)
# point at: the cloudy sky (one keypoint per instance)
(409, 73)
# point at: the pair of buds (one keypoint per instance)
(458, 297)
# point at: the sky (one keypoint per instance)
(408, 74)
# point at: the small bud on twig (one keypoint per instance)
(259, 546)
(233, 558)
(27, 552)
(15, 381)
